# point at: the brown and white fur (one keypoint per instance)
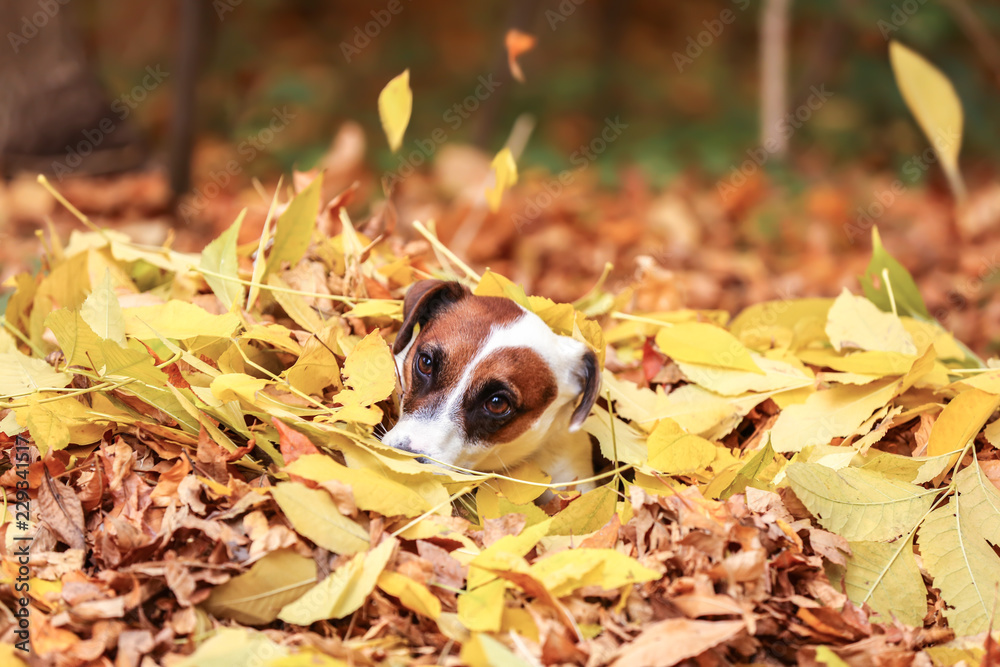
(487, 385)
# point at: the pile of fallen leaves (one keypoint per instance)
(190, 457)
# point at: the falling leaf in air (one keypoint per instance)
(505, 169)
(517, 43)
(933, 101)
(395, 103)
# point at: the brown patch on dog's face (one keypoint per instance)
(451, 340)
(515, 377)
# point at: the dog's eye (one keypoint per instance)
(425, 364)
(497, 405)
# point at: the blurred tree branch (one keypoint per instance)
(972, 25)
(191, 34)
(774, 75)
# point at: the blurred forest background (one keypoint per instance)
(602, 58)
(279, 86)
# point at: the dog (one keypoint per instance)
(487, 385)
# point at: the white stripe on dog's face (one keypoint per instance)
(477, 349)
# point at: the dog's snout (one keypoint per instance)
(404, 444)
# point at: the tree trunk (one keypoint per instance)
(55, 116)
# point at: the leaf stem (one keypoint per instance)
(440, 247)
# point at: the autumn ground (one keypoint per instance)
(800, 466)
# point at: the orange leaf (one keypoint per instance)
(517, 43)
(292, 443)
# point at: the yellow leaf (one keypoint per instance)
(373, 491)
(179, 320)
(730, 382)
(791, 323)
(516, 491)
(256, 597)
(988, 381)
(9, 426)
(352, 412)
(858, 504)
(673, 451)
(491, 505)
(370, 371)
(344, 591)
(966, 650)
(856, 322)
(566, 571)
(960, 421)
(48, 428)
(495, 284)
(697, 410)
(20, 374)
(296, 306)
(233, 646)
(75, 337)
(587, 514)
(412, 594)
(700, 343)
(885, 576)
(484, 651)
(828, 414)
(924, 333)
(219, 257)
(505, 172)
(125, 250)
(916, 469)
(56, 424)
(275, 335)
(306, 657)
(618, 441)
(314, 514)
(499, 554)
(237, 386)
(933, 102)
(826, 656)
(559, 316)
(377, 308)
(294, 229)
(635, 403)
(956, 543)
(481, 609)
(103, 313)
(11, 656)
(316, 367)
(260, 264)
(116, 362)
(67, 284)
(395, 103)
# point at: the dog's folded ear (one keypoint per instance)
(422, 300)
(590, 380)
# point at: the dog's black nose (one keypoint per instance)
(404, 444)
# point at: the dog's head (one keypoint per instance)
(485, 383)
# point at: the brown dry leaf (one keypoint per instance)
(672, 641)
(166, 488)
(697, 605)
(61, 510)
(606, 537)
(447, 569)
